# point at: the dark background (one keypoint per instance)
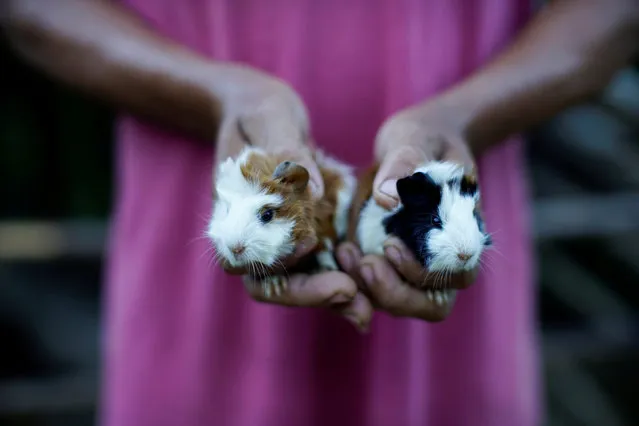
(55, 195)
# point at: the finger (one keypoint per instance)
(349, 258)
(300, 153)
(324, 289)
(229, 143)
(359, 312)
(459, 281)
(457, 151)
(305, 159)
(405, 262)
(398, 163)
(416, 274)
(400, 299)
(288, 137)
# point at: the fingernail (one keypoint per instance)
(389, 188)
(340, 298)
(348, 259)
(393, 254)
(357, 323)
(367, 274)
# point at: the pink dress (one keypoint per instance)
(185, 346)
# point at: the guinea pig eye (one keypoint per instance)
(435, 220)
(266, 215)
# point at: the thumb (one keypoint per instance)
(305, 158)
(397, 163)
(302, 155)
(458, 152)
(285, 138)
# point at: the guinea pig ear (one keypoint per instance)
(417, 189)
(293, 174)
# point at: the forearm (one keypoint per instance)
(102, 49)
(567, 54)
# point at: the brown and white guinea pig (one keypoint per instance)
(263, 208)
(438, 217)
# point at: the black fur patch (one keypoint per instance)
(420, 197)
(468, 186)
(455, 182)
(480, 223)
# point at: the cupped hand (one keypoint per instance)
(263, 111)
(397, 282)
(387, 289)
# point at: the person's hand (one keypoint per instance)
(397, 283)
(262, 111)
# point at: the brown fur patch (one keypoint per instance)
(469, 179)
(297, 206)
(312, 218)
(327, 206)
(363, 193)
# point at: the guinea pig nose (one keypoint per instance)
(238, 249)
(463, 256)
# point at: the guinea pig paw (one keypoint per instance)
(440, 297)
(275, 284)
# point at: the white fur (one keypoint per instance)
(325, 257)
(441, 171)
(459, 234)
(370, 230)
(460, 231)
(345, 193)
(235, 217)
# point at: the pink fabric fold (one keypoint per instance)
(184, 344)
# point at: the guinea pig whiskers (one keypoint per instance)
(215, 259)
(261, 271)
(281, 264)
(427, 278)
(487, 262)
(494, 249)
(443, 279)
(437, 276)
(485, 266)
(210, 253)
(195, 239)
(252, 267)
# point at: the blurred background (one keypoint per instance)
(55, 192)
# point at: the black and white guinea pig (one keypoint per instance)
(438, 218)
(263, 208)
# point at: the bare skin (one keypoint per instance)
(566, 54)
(102, 49)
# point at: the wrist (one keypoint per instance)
(448, 110)
(470, 110)
(214, 87)
(227, 81)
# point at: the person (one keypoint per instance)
(397, 82)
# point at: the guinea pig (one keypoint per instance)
(263, 208)
(438, 218)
